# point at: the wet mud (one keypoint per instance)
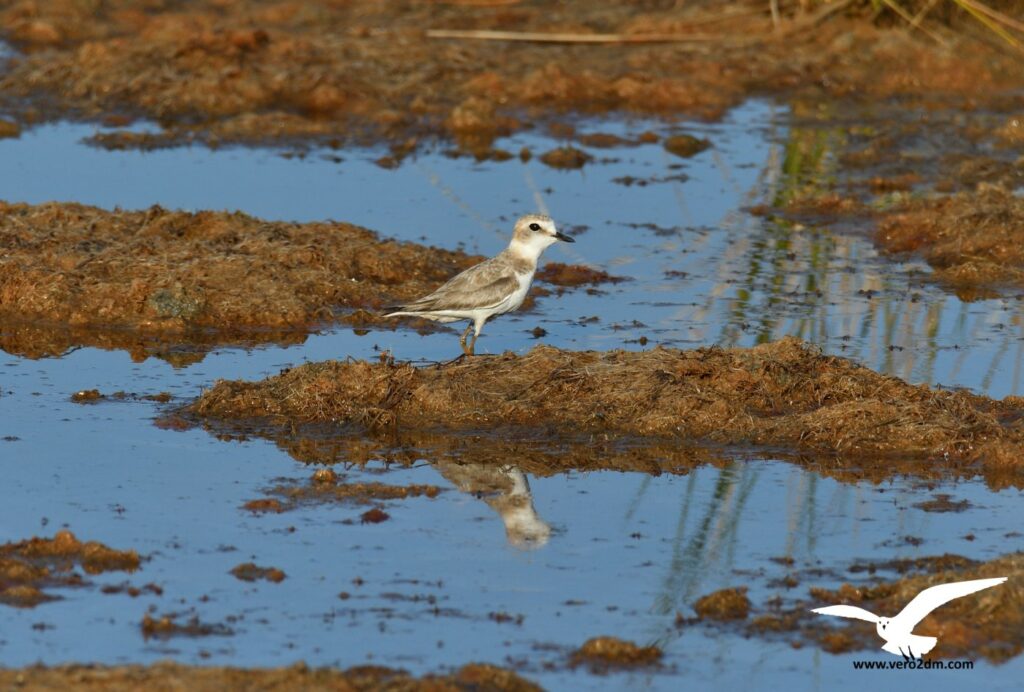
(986, 624)
(167, 676)
(785, 395)
(256, 71)
(31, 569)
(73, 274)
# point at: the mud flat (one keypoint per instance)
(986, 624)
(171, 676)
(784, 396)
(73, 274)
(252, 71)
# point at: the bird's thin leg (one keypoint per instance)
(478, 324)
(462, 341)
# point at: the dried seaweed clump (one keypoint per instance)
(783, 394)
(29, 567)
(250, 571)
(171, 271)
(726, 604)
(971, 239)
(611, 652)
(988, 623)
(167, 676)
(214, 71)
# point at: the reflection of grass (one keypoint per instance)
(809, 163)
(711, 511)
(716, 531)
(779, 278)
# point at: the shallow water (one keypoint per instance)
(634, 549)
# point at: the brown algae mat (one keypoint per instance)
(602, 654)
(207, 275)
(986, 624)
(28, 567)
(783, 395)
(258, 71)
(161, 677)
(971, 239)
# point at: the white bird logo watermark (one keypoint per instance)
(898, 631)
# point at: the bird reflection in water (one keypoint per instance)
(506, 490)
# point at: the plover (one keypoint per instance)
(494, 286)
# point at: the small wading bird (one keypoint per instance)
(897, 631)
(493, 287)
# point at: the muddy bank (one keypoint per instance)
(256, 71)
(72, 274)
(171, 676)
(986, 624)
(782, 395)
(972, 239)
(30, 569)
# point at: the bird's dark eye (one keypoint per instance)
(534, 226)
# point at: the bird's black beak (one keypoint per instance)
(562, 236)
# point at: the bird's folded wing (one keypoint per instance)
(482, 286)
(935, 596)
(847, 611)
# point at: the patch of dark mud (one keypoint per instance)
(604, 140)
(784, 395)
(602, 654)
(247, 71)
(28, 569)
(566, 158)
(167, 627)
(571, 275)
(92, 396)
(72, 274)
(131, 590)
(985, 624)
(685, 146)
(943, 503)
(927, 563)
(91, 678)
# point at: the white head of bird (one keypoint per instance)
(533, 234)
